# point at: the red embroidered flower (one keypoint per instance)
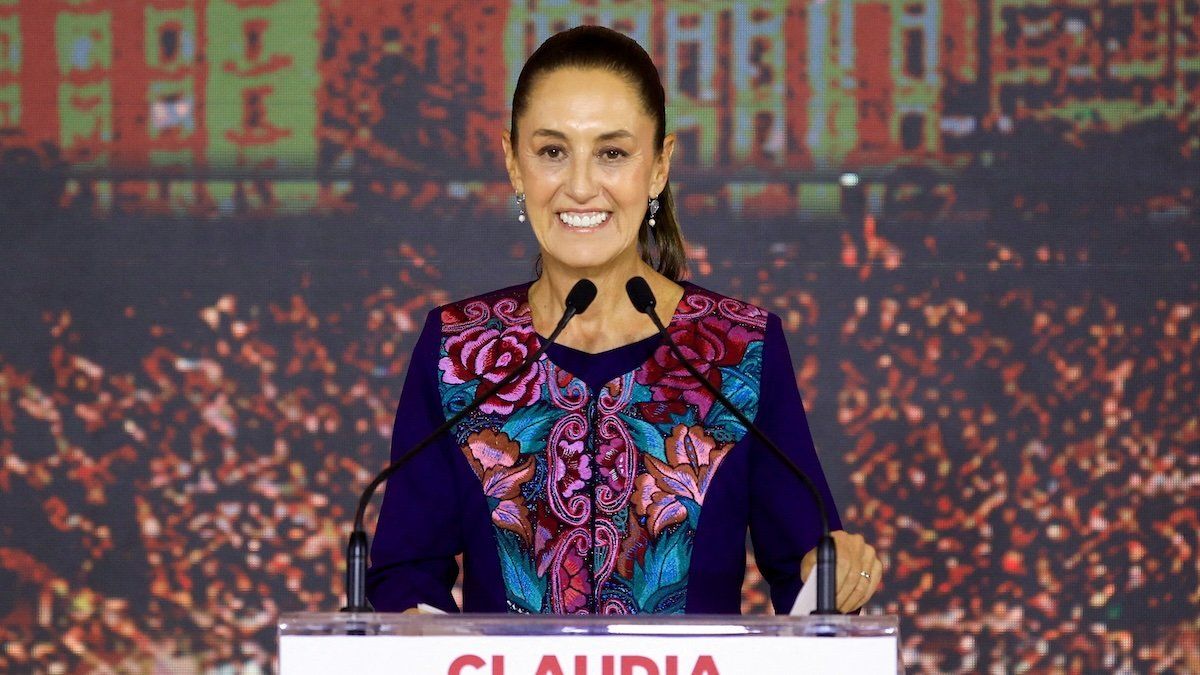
(571, 468)
(610, 457)
(692, 459)
(574, 580)
(708, 345)
(491, 355)
(497, 461)
(658, 412)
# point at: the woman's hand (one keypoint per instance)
(858, 570)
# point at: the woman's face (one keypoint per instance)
(586, 160)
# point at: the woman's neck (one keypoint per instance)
(611, 320)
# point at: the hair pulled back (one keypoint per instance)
(595, 47)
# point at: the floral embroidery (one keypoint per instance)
(492, 354)
(496, 460)
(693, 457)
(707, 345)
(595, 496)
(571, 470)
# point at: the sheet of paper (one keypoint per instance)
(806, 600)
(430, 609)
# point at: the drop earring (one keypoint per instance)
(521, 207)
(653, 211)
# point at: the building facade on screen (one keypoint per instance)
(236, 90)
(163, 87)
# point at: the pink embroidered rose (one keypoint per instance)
(489, 354)
(708, 345)
(497, 461)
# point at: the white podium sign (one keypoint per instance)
(512, 645)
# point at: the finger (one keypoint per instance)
(848, 552)
(876, 577)
(864, 591)
(861, 567)
(855, 594)
(847, 547)
(851, 584)
(845, 579)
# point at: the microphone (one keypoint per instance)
(578, 300)
(643, 301)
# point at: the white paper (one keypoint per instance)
(428, 609)
(806, 599)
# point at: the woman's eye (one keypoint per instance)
(613, 154)
(551, 151)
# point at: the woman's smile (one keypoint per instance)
(584, 221)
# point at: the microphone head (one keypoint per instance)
(581, 296)
(640, 295)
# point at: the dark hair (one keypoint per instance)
(595, 47)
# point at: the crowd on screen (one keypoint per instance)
(1022, 452)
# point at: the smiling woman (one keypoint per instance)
(599, 52)
(604, 478)
(588, 167)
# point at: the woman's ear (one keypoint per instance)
(662, 166)
(510, 162)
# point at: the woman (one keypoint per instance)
(605, 479)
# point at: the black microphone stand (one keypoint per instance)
(581, 295)
(643, 300)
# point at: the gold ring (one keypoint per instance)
(865, 575)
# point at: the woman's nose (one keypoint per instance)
(580, 184)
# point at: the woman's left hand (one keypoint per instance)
(858, 569)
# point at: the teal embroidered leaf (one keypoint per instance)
(521, 581)
(693, 511)
(641, 393)
(740, 384)
(689, 418)
(664, 568)
(669, 599)
(529, 426)
(646, 437)
(455, 397)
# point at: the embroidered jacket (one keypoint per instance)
(596, 483)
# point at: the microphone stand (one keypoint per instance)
(643, 300)
(580, 296)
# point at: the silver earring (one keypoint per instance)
(521, 206)
(653, 210)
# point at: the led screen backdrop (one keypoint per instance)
(223, 221)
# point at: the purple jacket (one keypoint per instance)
(596, 483)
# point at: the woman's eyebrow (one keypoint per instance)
(613, 135)
(550, 132)
(606, 136)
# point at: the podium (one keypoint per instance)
(508, 644)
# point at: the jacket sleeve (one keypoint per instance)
(784, 521)
(419, 532)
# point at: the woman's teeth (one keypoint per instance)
(583, 220)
